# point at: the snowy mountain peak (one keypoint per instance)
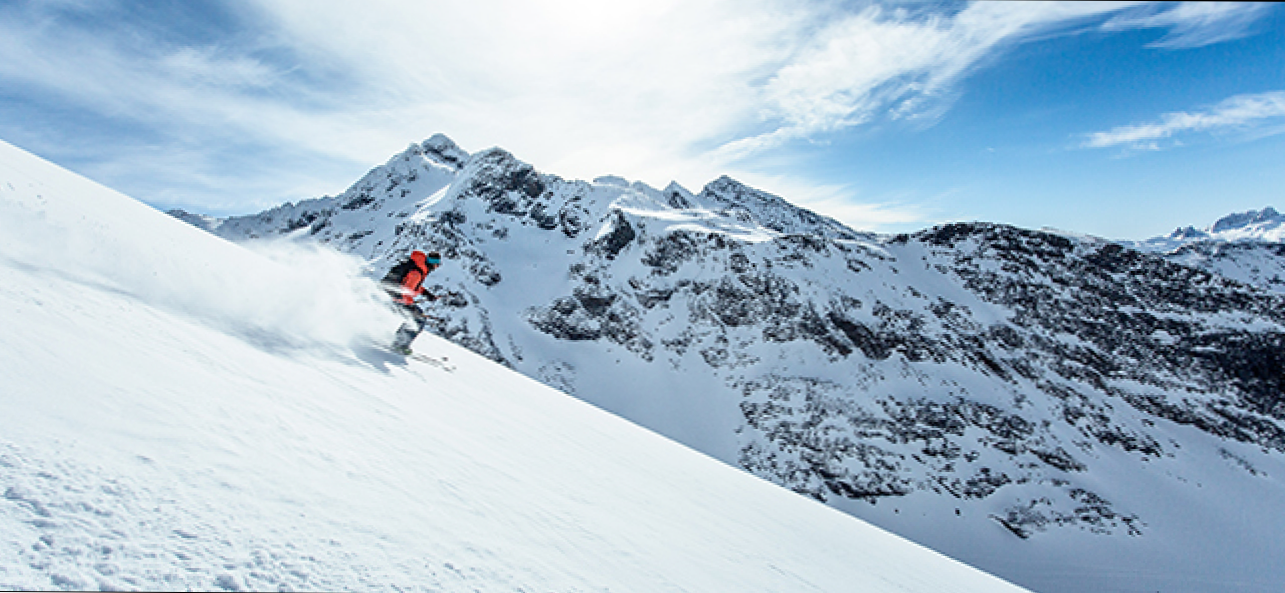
(492, 174)
(444, 150)
(730, 191)
(1188, 233)
(674, 186)
(772, 212)
(678, 196)
(200, 221)
(1265, 218)
(438, 150)
(1254, 226)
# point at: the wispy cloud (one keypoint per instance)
(214, 92)
(636, 87)
(889, 63)
(1242, 113)
(1193, 24)
(892, 64)
(650, 89)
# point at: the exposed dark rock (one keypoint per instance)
(621, 235)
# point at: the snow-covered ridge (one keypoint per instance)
(990, 391)
(165, 428)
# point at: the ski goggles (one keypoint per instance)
(433, 261)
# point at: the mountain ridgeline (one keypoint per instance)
(970, 372)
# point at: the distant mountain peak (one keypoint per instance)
(1241, 220)
(1188, 233)
(1261, 226)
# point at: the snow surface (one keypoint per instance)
(180, 412)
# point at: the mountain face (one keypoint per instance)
(975, 386)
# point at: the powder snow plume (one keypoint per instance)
(278, 294)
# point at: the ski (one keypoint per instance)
(440, 363)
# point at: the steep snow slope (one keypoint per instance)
(1060, 410)
(182, 413)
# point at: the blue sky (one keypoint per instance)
(1124, 120)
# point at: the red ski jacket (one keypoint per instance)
(412, 284)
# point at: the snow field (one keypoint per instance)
(182, 413)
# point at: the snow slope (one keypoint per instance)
(182, 413)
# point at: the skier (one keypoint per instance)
(404, 283)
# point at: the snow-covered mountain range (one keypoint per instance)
(1024, 401)
(1263, 226)
(181, 413)
(1245, 246)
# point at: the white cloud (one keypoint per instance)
(581, 88)
(218, 94)
(890, 63)
(652, 90)
(206, 67)
(1194, 24)
(1238, 113)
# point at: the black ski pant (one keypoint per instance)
(411, 328)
